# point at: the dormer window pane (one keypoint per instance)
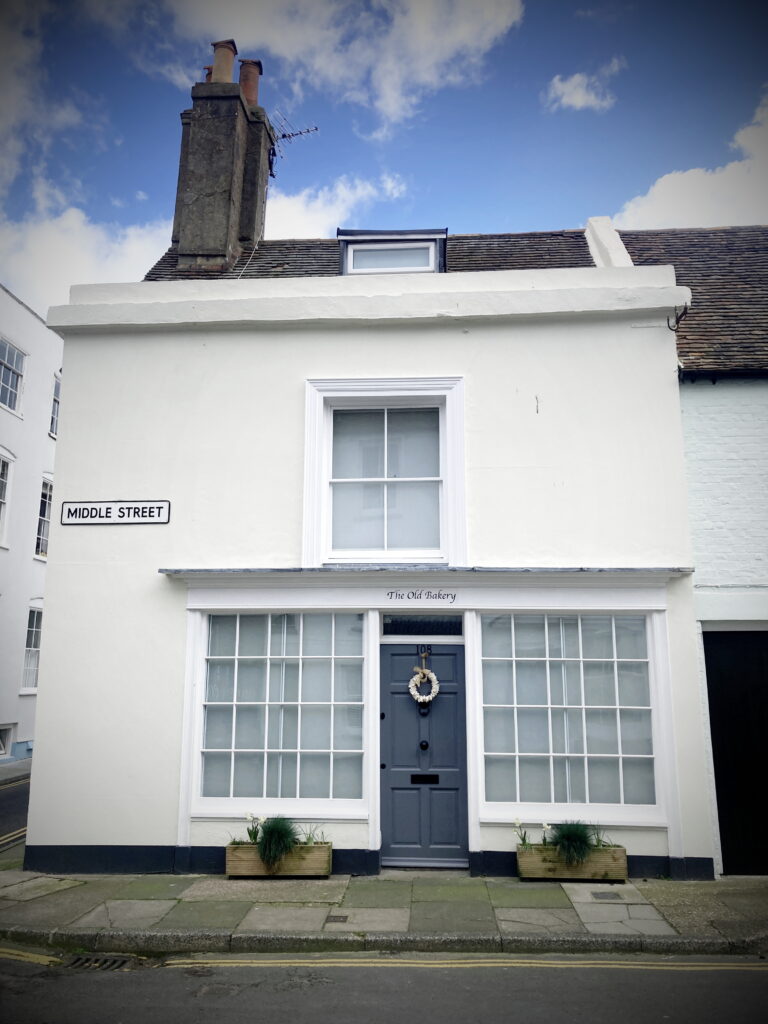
(403, 257)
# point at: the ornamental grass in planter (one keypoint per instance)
(277, 847)
(571, 851)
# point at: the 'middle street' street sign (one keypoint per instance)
(115, 513)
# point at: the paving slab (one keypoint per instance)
(628, 927)
(363, 919)
(367, 893)
(519, 920)
(40, 885)
(122, 914)
(458, 890)
(602, 893)
(155, 887)
(511, 894)
(208, 914)
(268, 890)
(283, 919)
(453, 917)
(591, 914)
(56, 910)
(12, 876)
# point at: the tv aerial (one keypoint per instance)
(285, 133)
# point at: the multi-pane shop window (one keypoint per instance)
(32, 649)
(284, 706)
(567, 709)
(44, 519)
(11, 373)
(385, 479)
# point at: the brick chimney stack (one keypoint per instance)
(224, 166)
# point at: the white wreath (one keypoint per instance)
(423, 675)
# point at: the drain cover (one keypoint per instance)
(336, 919)
(99, 963)
(605, 896)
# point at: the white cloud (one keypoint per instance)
(582, 91)
(141, 195)
(386, 55)
(317, 212)
(58, 246)
(736, 193)
(46, 253)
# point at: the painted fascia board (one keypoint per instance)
(375, 298)
(605, 244)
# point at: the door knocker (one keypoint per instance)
(423, 675)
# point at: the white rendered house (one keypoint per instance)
(329, 463)
(30, 390)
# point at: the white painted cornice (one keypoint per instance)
(373, 299)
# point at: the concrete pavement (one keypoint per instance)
(445, 911)
(430, 911)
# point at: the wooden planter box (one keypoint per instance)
(312, 859)
(606, 864)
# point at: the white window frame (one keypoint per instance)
(299, 808)
(322, 397)
(31, 672)
(5, 501)
(406, 243)
(16, 407)
(657, 814)
(46, 491)
(55, 407)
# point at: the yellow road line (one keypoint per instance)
(28, 958)
(16, 782)
(18, 834)
(624, 965)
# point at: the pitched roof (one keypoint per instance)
(725, 332)
(319, 257)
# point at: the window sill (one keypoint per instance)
(13, 412)
(605, 815)
(28, 691)
(293, 807)
(40, 558)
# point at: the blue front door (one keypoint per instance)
(423, 760)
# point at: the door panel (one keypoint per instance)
(423, 774)
(737, 682)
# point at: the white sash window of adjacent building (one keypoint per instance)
(44, 519)
(11, 374)
(283, 708)
(5, 476)
(384, 478)
(32, 649)
(567, 710)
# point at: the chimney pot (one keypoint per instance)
(224, 53)
(250, 72)
(208, 69)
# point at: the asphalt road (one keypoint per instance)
(14, 798)
(381, 988)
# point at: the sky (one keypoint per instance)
(476, 115)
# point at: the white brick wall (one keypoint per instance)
(726, 439)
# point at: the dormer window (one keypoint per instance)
(394, 252)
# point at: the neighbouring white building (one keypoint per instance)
(294, 472)
(30, 383)
(723, 352)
